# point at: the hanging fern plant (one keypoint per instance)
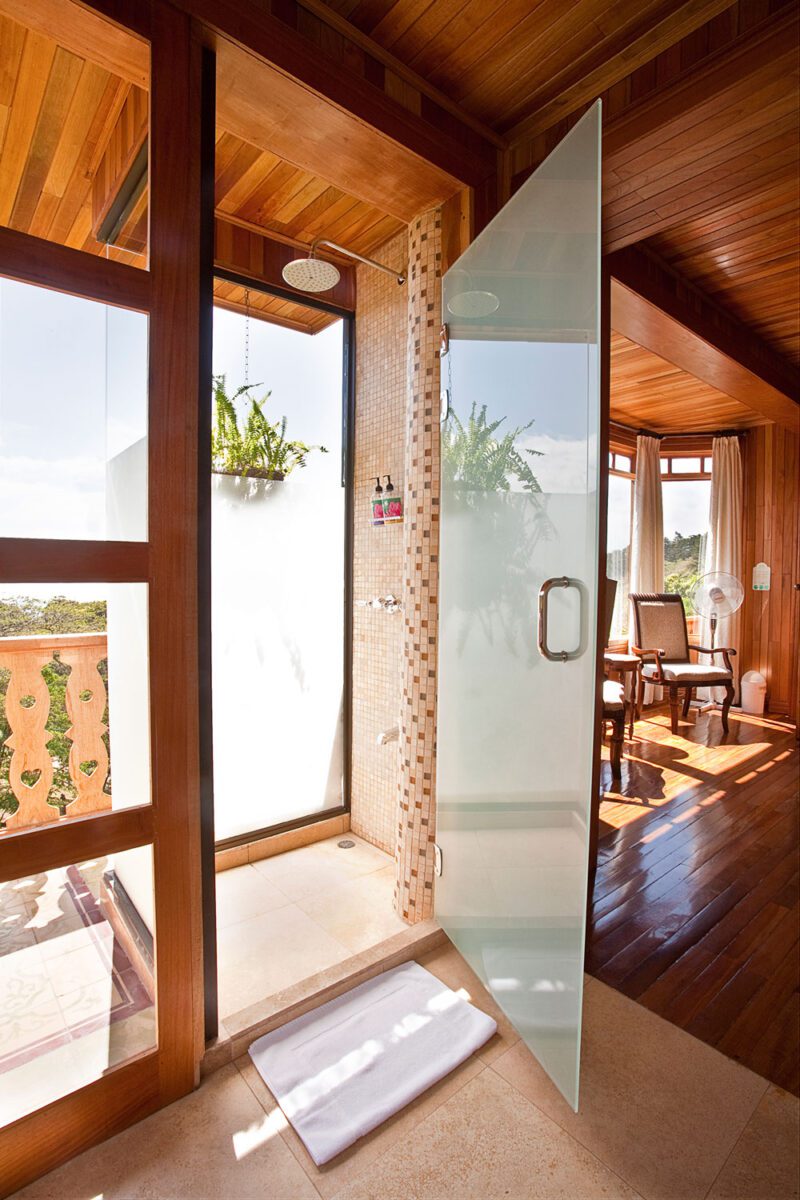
(256, 447)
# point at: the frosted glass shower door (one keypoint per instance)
(519, 564)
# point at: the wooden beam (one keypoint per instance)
(565, 100)
(658, 309)
(73, 840)
(62, 561)
(279, 91)
(85, 33)
(63, 269)
(451, 146)
(400, 173)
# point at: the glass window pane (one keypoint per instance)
(686, 507)
(618, 554)
(76, 977)
(73, 416)
(74, 713)
(707, 465)
(75, 167)
(278, 570)
(623, 462)
(687, 466)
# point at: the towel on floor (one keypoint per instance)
(344, 1068)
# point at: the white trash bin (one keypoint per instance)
(754, 691)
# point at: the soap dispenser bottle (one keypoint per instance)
(376, 503)
(392, 503)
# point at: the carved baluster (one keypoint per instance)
(27, 710)
(85, 700)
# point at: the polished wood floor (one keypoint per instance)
(695, 911)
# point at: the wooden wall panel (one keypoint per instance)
(771, 531)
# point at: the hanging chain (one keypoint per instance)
(247, 337)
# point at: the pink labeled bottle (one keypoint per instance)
(392, 503)
(376, 503)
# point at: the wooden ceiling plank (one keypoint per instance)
(34, 71)
(233, 159)
(244, 193)
(77, 189)
(724, 78)
(645, 48)
(86, 101)
(660, 311)
(85, 33)
(61, 85)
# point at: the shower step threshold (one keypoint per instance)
(240, 1029)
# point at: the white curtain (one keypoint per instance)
(723, 551)
(647, 534)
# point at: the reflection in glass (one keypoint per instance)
(519, 505)
(76, 980)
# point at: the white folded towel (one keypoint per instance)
(346, 1067)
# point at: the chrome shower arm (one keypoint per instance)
(368, 262)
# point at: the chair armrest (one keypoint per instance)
(654, 654)
(727, 653)
(642, 653)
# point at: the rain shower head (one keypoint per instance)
(311, 274)
(314, 274)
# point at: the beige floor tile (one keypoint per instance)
(270, 952)
(765, 1163)
(319, 867)
(217, 1144)
(447, 964)
(29, 1021)
(38, 1082)
(346, 1167)
(70, 971)
(484, 1143)
(363, 856)
(243, 893)
(358, 913)
(659, 1107)
(89, 1000)
(77, 938)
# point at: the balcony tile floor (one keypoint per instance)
(663, 1117)
(285, 918)
(71, 1002)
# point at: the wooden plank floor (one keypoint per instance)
(695, 911)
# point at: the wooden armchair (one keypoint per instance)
(662, 643)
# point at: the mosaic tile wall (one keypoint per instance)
(381, 383)
(416, 816)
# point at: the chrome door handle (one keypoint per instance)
(560, 581)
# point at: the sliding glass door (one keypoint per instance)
(519, 570)
(279, 563)
(100, 964)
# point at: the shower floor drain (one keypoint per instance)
(347, 844)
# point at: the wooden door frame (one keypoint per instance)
(171, 294)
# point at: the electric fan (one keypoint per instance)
(717, 595)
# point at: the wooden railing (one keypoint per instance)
(28, 705)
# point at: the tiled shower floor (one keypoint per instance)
(283, 919)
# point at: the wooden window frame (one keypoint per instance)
(170, 294)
